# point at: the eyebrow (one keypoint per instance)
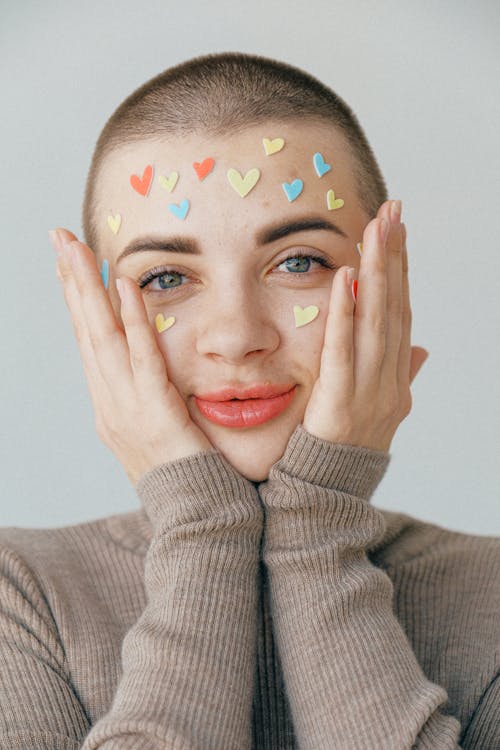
(170, 245)
(264, 237)
(280, 230)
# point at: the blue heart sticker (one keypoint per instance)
(179, 210)
(105, 273)
(293, 189)
(320, 165)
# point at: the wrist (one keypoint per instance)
(355, 470)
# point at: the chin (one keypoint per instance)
(252, 452)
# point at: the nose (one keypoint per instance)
(236, 325)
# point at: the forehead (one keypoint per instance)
(148, 184)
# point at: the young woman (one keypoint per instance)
(242, 309)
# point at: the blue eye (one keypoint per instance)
(297, 264)
(167, 280)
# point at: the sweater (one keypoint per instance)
(223, 614)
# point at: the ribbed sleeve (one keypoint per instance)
(352, 678)
(188, 662)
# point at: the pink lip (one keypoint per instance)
(255, 405)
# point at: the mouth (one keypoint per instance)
(245, 407)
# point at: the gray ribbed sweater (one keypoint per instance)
(225, 614)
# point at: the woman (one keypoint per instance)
(251, 390)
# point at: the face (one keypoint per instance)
(233, 269)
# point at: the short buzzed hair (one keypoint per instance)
(221, 93)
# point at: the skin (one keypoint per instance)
(352, 366)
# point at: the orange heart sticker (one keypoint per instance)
(142, 184)
(204, 168)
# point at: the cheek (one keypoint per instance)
(175, 343)
(302, 339)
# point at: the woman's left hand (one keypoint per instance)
(367, 364)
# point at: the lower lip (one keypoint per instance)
(246, 413)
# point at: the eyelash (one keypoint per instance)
(156, 272)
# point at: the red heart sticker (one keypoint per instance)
(142, 184)
(204, 168)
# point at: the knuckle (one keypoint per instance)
(104, 340)
(392, 402)
(407, 313)
(395, 306)
(379, 325)
(406, 405)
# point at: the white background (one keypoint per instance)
(423, 77)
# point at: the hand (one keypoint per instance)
(139, 414)
(367, 364)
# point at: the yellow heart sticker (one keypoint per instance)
(243, 185)
(304, 315)
(169, 182)
(114, 223)
(333, 202)
(162, 323)
(273, 146)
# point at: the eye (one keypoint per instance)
(301, 262)
(162, 279)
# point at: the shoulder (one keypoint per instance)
(55, 559)
(447, 598)
(412, 542)
(461, 569)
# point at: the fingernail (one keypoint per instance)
(119, 287)
(352, 282)
(396, 208)
(55, 239)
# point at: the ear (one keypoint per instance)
(417, 359)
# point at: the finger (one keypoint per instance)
(72, 299)
(106, 337)
(417, 358)
(371, 308)
(394, 246)
(337, 357)
(406, 316)
(147, 363)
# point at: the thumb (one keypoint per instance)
(417, 359)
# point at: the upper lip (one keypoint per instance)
(257, 390)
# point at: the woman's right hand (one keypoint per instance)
(139, 414)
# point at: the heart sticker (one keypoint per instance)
(304, 315)
(320, 165)
(273, 146)
(293, 189)
(179, 210)
(168, 183)
(105, 273)
(162, 323)
(359, 247)
(142, 184)
(243, 185)
(114, 223)
(333, 202)
(204, 168)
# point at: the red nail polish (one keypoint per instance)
(354, 289)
